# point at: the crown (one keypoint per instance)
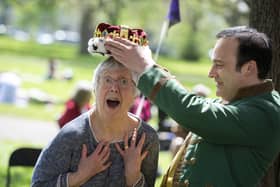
(105, 30)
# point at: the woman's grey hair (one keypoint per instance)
(109, 63)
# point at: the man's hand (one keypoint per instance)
(134, 57)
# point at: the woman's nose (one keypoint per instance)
(114, 86)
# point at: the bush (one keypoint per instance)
(191, 50)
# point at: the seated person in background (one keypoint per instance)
(107, 146)
(145, 113)
(77, 104)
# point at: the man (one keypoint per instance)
(233, 140)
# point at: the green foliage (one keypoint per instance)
(199, 18)
(191, 50)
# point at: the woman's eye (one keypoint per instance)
(123, 81)
(108, 80)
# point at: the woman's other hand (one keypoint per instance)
(133, 157)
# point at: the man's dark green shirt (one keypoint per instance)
(237, 141)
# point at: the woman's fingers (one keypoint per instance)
(104, 151)
(84, 151)
(106, 165)
(133, 139)
(119, 149)
(99, 147)
(141, 141)
(106, 156)
(143, 156)
(125, 141)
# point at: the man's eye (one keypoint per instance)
(218, 65)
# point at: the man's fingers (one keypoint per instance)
(124, 41)
(114, 45)
(117, 56)
(114, 48)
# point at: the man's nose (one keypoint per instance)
(212, 72)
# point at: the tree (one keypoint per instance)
(90, 10)
(86, 27)
(264, 16)
(4, 12)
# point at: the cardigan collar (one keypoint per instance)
(253, 90)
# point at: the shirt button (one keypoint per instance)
(193, 160)
(186, 183)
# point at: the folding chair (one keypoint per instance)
(25, 157)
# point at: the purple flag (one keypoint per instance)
(173, 13)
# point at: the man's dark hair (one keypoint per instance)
(253, 45)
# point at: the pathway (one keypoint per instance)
(26, 130)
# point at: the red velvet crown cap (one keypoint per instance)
(137, 36)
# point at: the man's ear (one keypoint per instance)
(249, 68)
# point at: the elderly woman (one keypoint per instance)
(107, 146)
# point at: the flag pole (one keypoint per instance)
(162, 35)
(173, 17)
(163, 32)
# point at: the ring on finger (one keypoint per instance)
(126, 147)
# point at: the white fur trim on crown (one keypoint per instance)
(96, 45)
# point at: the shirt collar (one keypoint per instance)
(253, 90)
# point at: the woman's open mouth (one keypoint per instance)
(112, 103)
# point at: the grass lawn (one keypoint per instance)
(29, 61)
